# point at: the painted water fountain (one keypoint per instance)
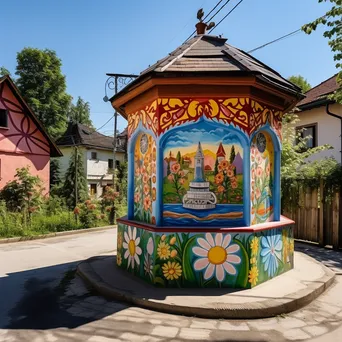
(204, 127)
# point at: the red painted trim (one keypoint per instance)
(284, 221)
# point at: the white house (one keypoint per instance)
(322, 127)
(97, 151)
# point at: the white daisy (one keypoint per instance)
(150, 246)
(131, 245)
(216, 256)
(148, 266)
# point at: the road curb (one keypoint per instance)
(57, 234)
(264, 309)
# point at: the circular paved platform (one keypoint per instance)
(285, 293)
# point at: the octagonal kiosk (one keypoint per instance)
(204, 127)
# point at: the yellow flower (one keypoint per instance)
(120, 241)
(253, 260)
(172, 270)
(291, 246)
(173, 253)
(173, 241)
(118, 259)
(255, 245)
(253, 275)
(163, 250)
(163, 237)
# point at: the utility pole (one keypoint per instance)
(75, 161)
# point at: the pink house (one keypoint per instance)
(23, 139)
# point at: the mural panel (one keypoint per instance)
(262, 176)
(203, 177)
(145, 155)
(237, 260)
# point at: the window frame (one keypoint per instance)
(315, 135)
(5, 111)
(92, 186)
(112, 163)
(91, 155)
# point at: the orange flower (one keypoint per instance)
(220, 168)
(143, 170)
(137, 172)
(268, 169)
(257, 193)
(224, 164)
(137, 197)
(230, 173)
(253, 154)
(170, 177)
(252, 184)
(233, 179)
(220, 189)
(145, 178)
(181, 181)
(154, 154)
(154, 194)
(153, 167)
(77, 210)
(253, 174)
(147, 203)
(146, 189)
(219, 178)
(153, 220)
(175, 168)
(234, 185)
(259, 172)
(154, 179)
(181, 173)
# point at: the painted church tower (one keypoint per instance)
(199, 165)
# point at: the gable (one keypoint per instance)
(22, 135)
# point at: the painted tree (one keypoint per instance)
(332, 21)
(301, 82)
(42, 84)
(80, 113)
(179, 157)
(216, 167)
(232, 155)
(75, 181)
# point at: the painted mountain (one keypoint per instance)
(238, 163)
(209, 158)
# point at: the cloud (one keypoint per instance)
(230, 138)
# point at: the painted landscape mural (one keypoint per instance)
(262, 176)
(203, 177)
(236, 260)
(145, 155)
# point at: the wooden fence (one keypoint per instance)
(317, 217)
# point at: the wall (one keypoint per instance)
(328, 129)
(22, 143)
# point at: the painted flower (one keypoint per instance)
(220, 189)
(153, 220)
(259, 172)
(291, 246)
(268, 169)
(220, 168)
(137, 197)
(173, 253)
(234, 185)
(118, 259)
(181, 173)
(230, 173)
(131, 244)
(253, 174)
(181, 181)
(146, 189)
(153, 168)
(145, 178)
(173, 240)
(148, 266)
(224, 164)
(150, 246)
(253, 150)
(120, 241)
(154, 194)
(163, 250)
(147, 203)
(253, 260)
(175, 168)
(219, 178)
(254, 245)
(154, 154)
(172, 270)
(137, 171)
(170, 177)
(271, 247)
(154, 179)
(216, 256)
(257, 193)
(253, 275)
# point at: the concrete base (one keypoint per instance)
(285, 293)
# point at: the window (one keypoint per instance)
(117, 162)
(93, 189)
(110, 163)
(3, 118)
(94, 155)
(308, 132)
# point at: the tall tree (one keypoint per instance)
(42, 84)
(80, 113)
(232, 155)
(75, 180)
(301, 82)
(332, 21)
(55, 173)
(179, 157)
(216, 167)
(4, 71)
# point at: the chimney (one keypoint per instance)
(201, 27)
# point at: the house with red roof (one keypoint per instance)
(323, 128)
(221, 153)
(23, 139)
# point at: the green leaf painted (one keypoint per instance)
(158, 280)
(188, 272)
(242, 278)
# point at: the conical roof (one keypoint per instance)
(220, 151)
(205, 54)
(199, 153)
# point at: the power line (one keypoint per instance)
(275, 40)
(111, 118)
(232, 10)
(218, 11)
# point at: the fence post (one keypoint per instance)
(335, 220)
(321, 211)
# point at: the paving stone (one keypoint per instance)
(296, 334)
(103, 339)
(154, 321)
(130, 319)
(291, 323)
(203, 324)
(331, 309)
(316, 330)
(140, 338)
(233, 326)
(194, 334)
(265, 324)
(165, 331)
(50, 337)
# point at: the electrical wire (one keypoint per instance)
(232, 10)
(275, 40)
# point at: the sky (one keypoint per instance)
(93, 38)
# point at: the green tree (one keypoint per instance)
(332, 21)
(75, 173)
(232, 155)
(80, 113)
(301, 82)
(4, 71)
(43, 86)
(216, 167)
(55, 173)
(179, 157)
